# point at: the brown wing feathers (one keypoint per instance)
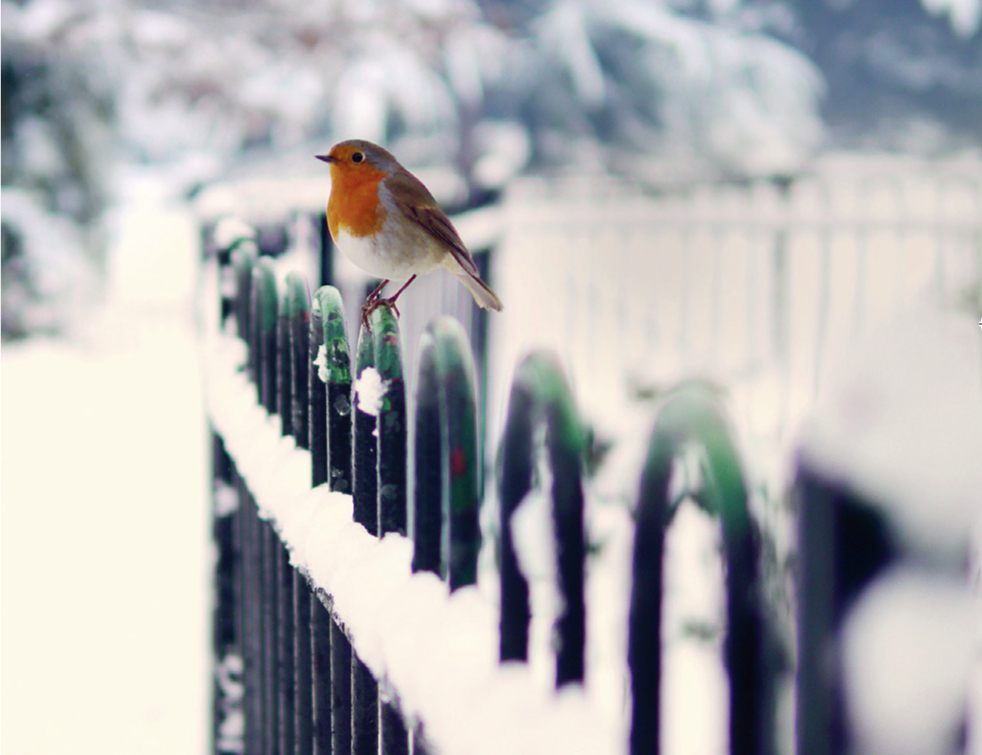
(417, 204)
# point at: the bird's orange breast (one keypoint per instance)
(354, 205)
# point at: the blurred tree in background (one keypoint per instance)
(664, 92)
(55, 128)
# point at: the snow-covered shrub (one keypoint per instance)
(56, 160)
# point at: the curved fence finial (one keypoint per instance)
(243, 260)
(541, 397)
(692, 415)
(380, 427)
(332, 383)
(262, 338)
(298, 314)
(392, 425)
(446, 532)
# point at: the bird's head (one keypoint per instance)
(357, 158)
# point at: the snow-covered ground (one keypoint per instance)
(105, 536)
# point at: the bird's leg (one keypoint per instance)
(392, 300)
(371, 303)
(375, 301)
(372, 297)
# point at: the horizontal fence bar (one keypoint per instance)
(716, 224)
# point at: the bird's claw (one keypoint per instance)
(372, 304)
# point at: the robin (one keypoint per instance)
(387, 223)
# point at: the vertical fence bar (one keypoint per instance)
(393, 735)
(298, 306)
(252, 598)
(284, 368)
(255, 685)
(285, 629)
(322, 698)
(843, 544)
(299, 311)
(317, 394)
(227, 637)
(815, 732)
(391, 441)
(269, 544)
(446, 532)
(428, 471)
(337, 370)
(243, 261)
(326, 251)
(515, 481)
(303, 711)
(540, 395)
(314, 643)
(369, 396)
(339, 720)
(693, 416)
(369, 393)
(265, 329)
(644, 627)
(285, 691)
(331, 647)
(227, 688)
(392, 511)
(364, 708)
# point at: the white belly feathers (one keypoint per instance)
(395, 253)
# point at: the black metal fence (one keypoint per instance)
(288, 676)
(288, 679)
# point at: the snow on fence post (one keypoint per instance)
(541, 398)
(690, 416)
(446, 532)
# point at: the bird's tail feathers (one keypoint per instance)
(482, 293)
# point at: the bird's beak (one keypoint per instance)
(327, 158)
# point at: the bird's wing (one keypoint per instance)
(415, 202)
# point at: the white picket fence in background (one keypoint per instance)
(756, 287)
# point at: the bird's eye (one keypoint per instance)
(357, 157)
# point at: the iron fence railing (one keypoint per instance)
(289, 675)
(302, 667)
